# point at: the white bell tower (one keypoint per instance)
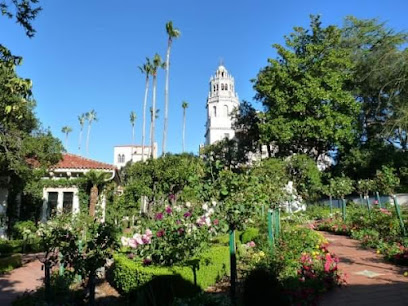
(222, 100)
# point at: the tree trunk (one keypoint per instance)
(154, 114)
(184, 128)
(144, 116)
(166, 98)
(93, 200)
(87, 139)
(80, 140)
(133, 134)
(91, 286)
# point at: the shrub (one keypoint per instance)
(250, 234)
(24, 230)
(9, 263)
(134, 278)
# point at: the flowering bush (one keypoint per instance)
(396, 252)
(176, 233)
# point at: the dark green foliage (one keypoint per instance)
(250, 234)
(9, 263)
(129, 276)
(8, 247)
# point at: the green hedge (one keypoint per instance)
(8, 247)
(250, 234)
(132, 278)
(10, 263)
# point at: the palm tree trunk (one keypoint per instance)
(80, 140)
(87, 139)
(133, 134)
(144, 116)
(93, 200)
(66, 141)
(166, 98)
(184, 127)
(154, 114)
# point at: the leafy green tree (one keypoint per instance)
(90, 117)
(24, 11)
(172, 34)
(66, 130)
(97, 179)
(341, 186)
(146, 69)
(304, 91)
(132, 123)
(184, 105)
(386, 181)
(364, 187)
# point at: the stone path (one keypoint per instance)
(26, 278)
(370, 280)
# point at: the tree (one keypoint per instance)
(66, 130)
(90, 117)
(157, 63)
(96, 179)
(308, 107)
(146, 69)
(152, 118)
(184, 105)
(24, 11)
(81, 120)
(132, 122)
(172, 33)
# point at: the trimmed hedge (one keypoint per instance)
(8, 247)
(250, 234)
(9, 263)
(131, 277)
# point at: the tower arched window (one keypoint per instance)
(123, 158)
(226, 86)
(217, 87)
(119, 158)
(215, 111)
(226, 110)
(222, 74)
(222, 86)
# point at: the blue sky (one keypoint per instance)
(86, 53)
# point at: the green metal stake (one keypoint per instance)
(378, 199)
(233, 262)
(61, 265)
(397, 210)
(343, 208)
(331, 203)
(270, 230)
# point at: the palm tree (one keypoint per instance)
(66, 130)
(151, 130)
(132, 122)
(172, 33)
(157, 63)
(90, 116)
(147, 70)
(96, 178)
(184, 105)
(81, 120)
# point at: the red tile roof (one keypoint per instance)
(71, 161)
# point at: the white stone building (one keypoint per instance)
(123, 154)
(222, 100)
(65, 198)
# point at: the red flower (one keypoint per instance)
(160, 233)
(159, 216)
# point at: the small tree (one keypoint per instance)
(342, 186)
(96, 178)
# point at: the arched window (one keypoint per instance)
(222, 74)
(215, 111)
(123, 158)
(222, 86)
(226, 86)
(119, 158)
(226, 110)
(217, 87)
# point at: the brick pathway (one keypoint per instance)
(20, 280)
(370, 280)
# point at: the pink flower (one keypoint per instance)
(168, 210)
(132, 243)
(138, 238)
(172, 197)
(147, 261)
(385, 211)
(216, 221)
(159, 216)
(187, 214)
(251, 244)
(147, 236)
(180, 230)
(160, 233)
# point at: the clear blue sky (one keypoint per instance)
(86, 53)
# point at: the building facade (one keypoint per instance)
(123, 154)
(221, 102)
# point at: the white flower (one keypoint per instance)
(214, 203)
(125, 241)
(188, 204)
(205, 206)
(178, 208)
(211, 211)
(207, 221)
(138, 238)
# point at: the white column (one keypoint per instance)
(75, 204)
(60, 201)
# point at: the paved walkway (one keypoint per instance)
(370, 280)
(20, 280)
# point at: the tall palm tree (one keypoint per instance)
(172, 33)
(66, 130)
(132, 122)
(184, 105)
(146, 69)
(151, 130)
(81, 120)
(91, 117)
(157, 63)
(96, 178)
